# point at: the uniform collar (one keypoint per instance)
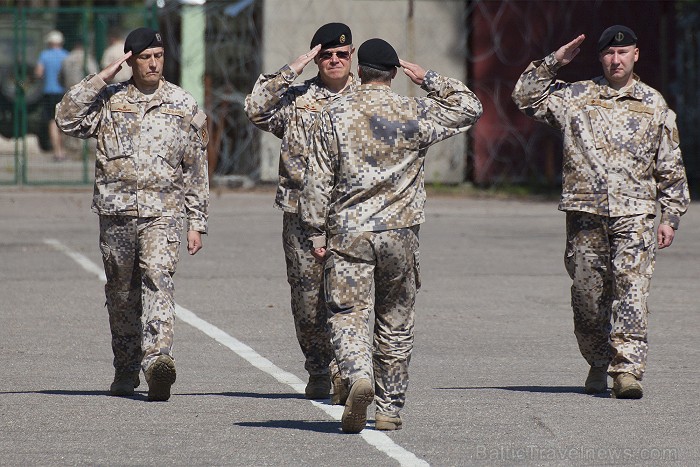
(163, 94)
(322, 90)
(634, 90)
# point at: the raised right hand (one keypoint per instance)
(567, 52)
(113, 68)
(303, 60)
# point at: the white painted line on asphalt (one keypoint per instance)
(375, 438)
(79, 258)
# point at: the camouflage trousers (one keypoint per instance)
(139, 257)
(374, 271)
(611, 261)
(305, 278)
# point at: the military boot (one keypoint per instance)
(626, 386)
(360, 397)
(597, 380)
(318, 387)
(124, 382)
(387, 422)
(160, 376)
(340, 390)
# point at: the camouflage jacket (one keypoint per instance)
(365, 168)
(621, 148)
(288, 112)
(151, 150)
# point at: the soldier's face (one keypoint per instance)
(147, 67)
(334, 64)
(618, 63)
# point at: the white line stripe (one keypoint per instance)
(375, 438)
(82, 260)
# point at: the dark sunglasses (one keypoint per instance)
(327, 54)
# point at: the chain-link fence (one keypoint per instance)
(501, 38)
(30, 84)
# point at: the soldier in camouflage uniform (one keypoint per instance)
(364, 191)
(150, 178)
(288, 112)
(621, 157)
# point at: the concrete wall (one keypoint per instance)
(434, 37)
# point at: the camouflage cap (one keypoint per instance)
(616, 36)
(141, 39)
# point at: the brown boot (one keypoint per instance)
(387, 422)
(318, 387)
(360, 397)
(124, 383)
(340, 390)
(160, 376)
(626, 386)
(597, 380)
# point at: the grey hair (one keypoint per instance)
(369, 74)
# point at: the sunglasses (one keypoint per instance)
(327, 54)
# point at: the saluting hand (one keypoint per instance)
(303, 60)
(113, 68)
(413, 71)
(567, 52)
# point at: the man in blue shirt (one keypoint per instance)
(48, 67)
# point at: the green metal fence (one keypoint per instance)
(26, 155)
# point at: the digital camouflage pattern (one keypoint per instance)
(151, 150)
(621, 148)
(150, 175)
(140, 256)
(611, 261)
(364, 187)
(621, 156)
(365, 168)
(360, 264)
(305, 277)
(289, 112)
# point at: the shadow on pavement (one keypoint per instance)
(545, 389)
(319, 426)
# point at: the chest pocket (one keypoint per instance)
(598, 123)
(308, 110)
(167, 131)
(639, 131)
(120, 141)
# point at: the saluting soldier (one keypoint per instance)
(151, 182)
(621, 158)
(288, 111)
(363, 198)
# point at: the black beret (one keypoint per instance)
(379, 54)
(332, 35)
(616, 36)
(141, 39)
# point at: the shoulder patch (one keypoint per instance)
(199, 122)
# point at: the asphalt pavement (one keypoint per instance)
(496, 376)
